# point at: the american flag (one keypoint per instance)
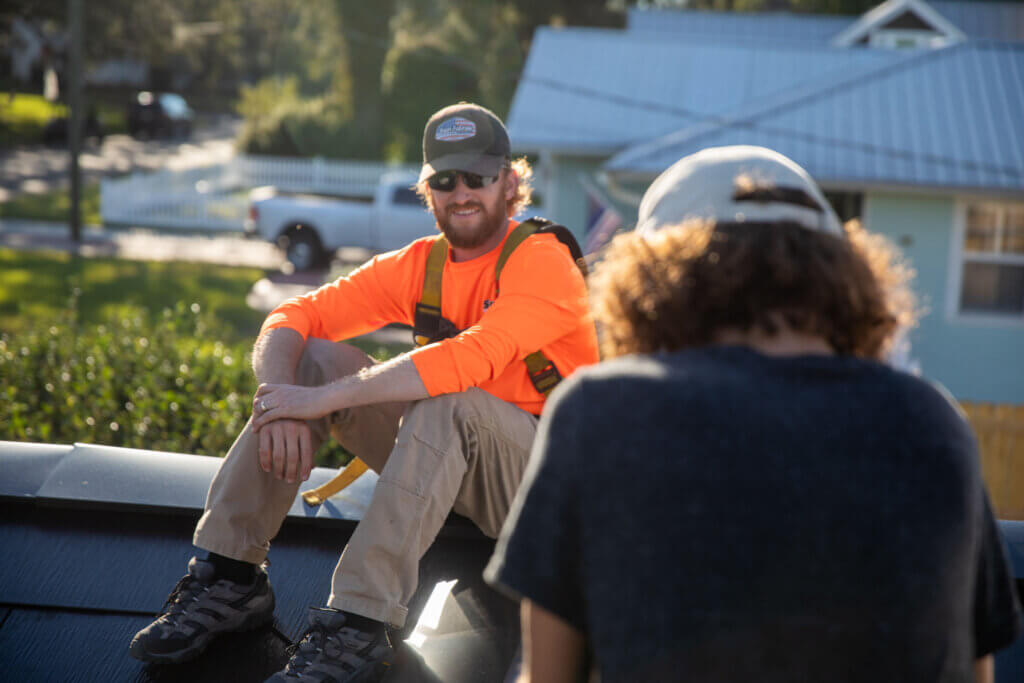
(455, 129)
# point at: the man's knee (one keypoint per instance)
(442, 410)
(473, 418)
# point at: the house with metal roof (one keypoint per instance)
(911, 117)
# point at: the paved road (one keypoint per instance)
(145, 245)
(39, 168)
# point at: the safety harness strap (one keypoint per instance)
(534, 226)
(427, 320)
(543, 373)
(343, 478)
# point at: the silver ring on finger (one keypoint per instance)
(263, 406)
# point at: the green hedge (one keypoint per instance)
(23, 117)
(133, 379)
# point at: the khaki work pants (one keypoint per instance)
(463, 451)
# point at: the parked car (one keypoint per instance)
(158, 115)
(312, 227)
(55, 132)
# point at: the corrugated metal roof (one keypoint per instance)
(594, 91)
(951, 118)
(761, 27)
(1002, 21)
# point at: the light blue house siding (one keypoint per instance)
(975, 360)
(563, 197)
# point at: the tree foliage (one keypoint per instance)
(356, 79)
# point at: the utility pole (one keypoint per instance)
(75, 117)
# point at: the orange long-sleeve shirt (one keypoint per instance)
(543, 305)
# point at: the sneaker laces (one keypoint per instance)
(185, 592)
(302, 653)
(318, 638)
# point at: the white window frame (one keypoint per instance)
(957, 258)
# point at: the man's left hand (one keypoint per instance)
(277, 401)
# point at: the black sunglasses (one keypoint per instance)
(445, 180)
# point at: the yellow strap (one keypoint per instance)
(430, 298)
(342, 479)
(434, 273)
(536, 362)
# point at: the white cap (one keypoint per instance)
(707, 185)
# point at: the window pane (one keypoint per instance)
(1013, 233)
(407, 197)
(992, 288)
(981, 228)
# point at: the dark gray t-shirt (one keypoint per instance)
(721, 515)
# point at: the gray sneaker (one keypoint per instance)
(200, 608)
(331, 652)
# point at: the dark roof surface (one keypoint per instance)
(94, 538)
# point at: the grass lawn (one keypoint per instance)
(38, 284)
(54, 205)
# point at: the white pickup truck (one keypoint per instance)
(312, 227)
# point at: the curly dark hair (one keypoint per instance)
(685, 285)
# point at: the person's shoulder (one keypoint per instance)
(927, 395)
(544, 245)
(625, 373)
(922, 411)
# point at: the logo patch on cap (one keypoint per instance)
(455, 129)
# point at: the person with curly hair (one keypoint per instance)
(746, 491)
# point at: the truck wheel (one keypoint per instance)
(302, 247)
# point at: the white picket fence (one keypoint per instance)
(216, 197)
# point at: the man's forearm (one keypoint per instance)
(396, 380)
(276, 355)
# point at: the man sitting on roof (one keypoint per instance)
(748, 493)
(448, 425)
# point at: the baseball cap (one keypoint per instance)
(464, 137)
(740, 183)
